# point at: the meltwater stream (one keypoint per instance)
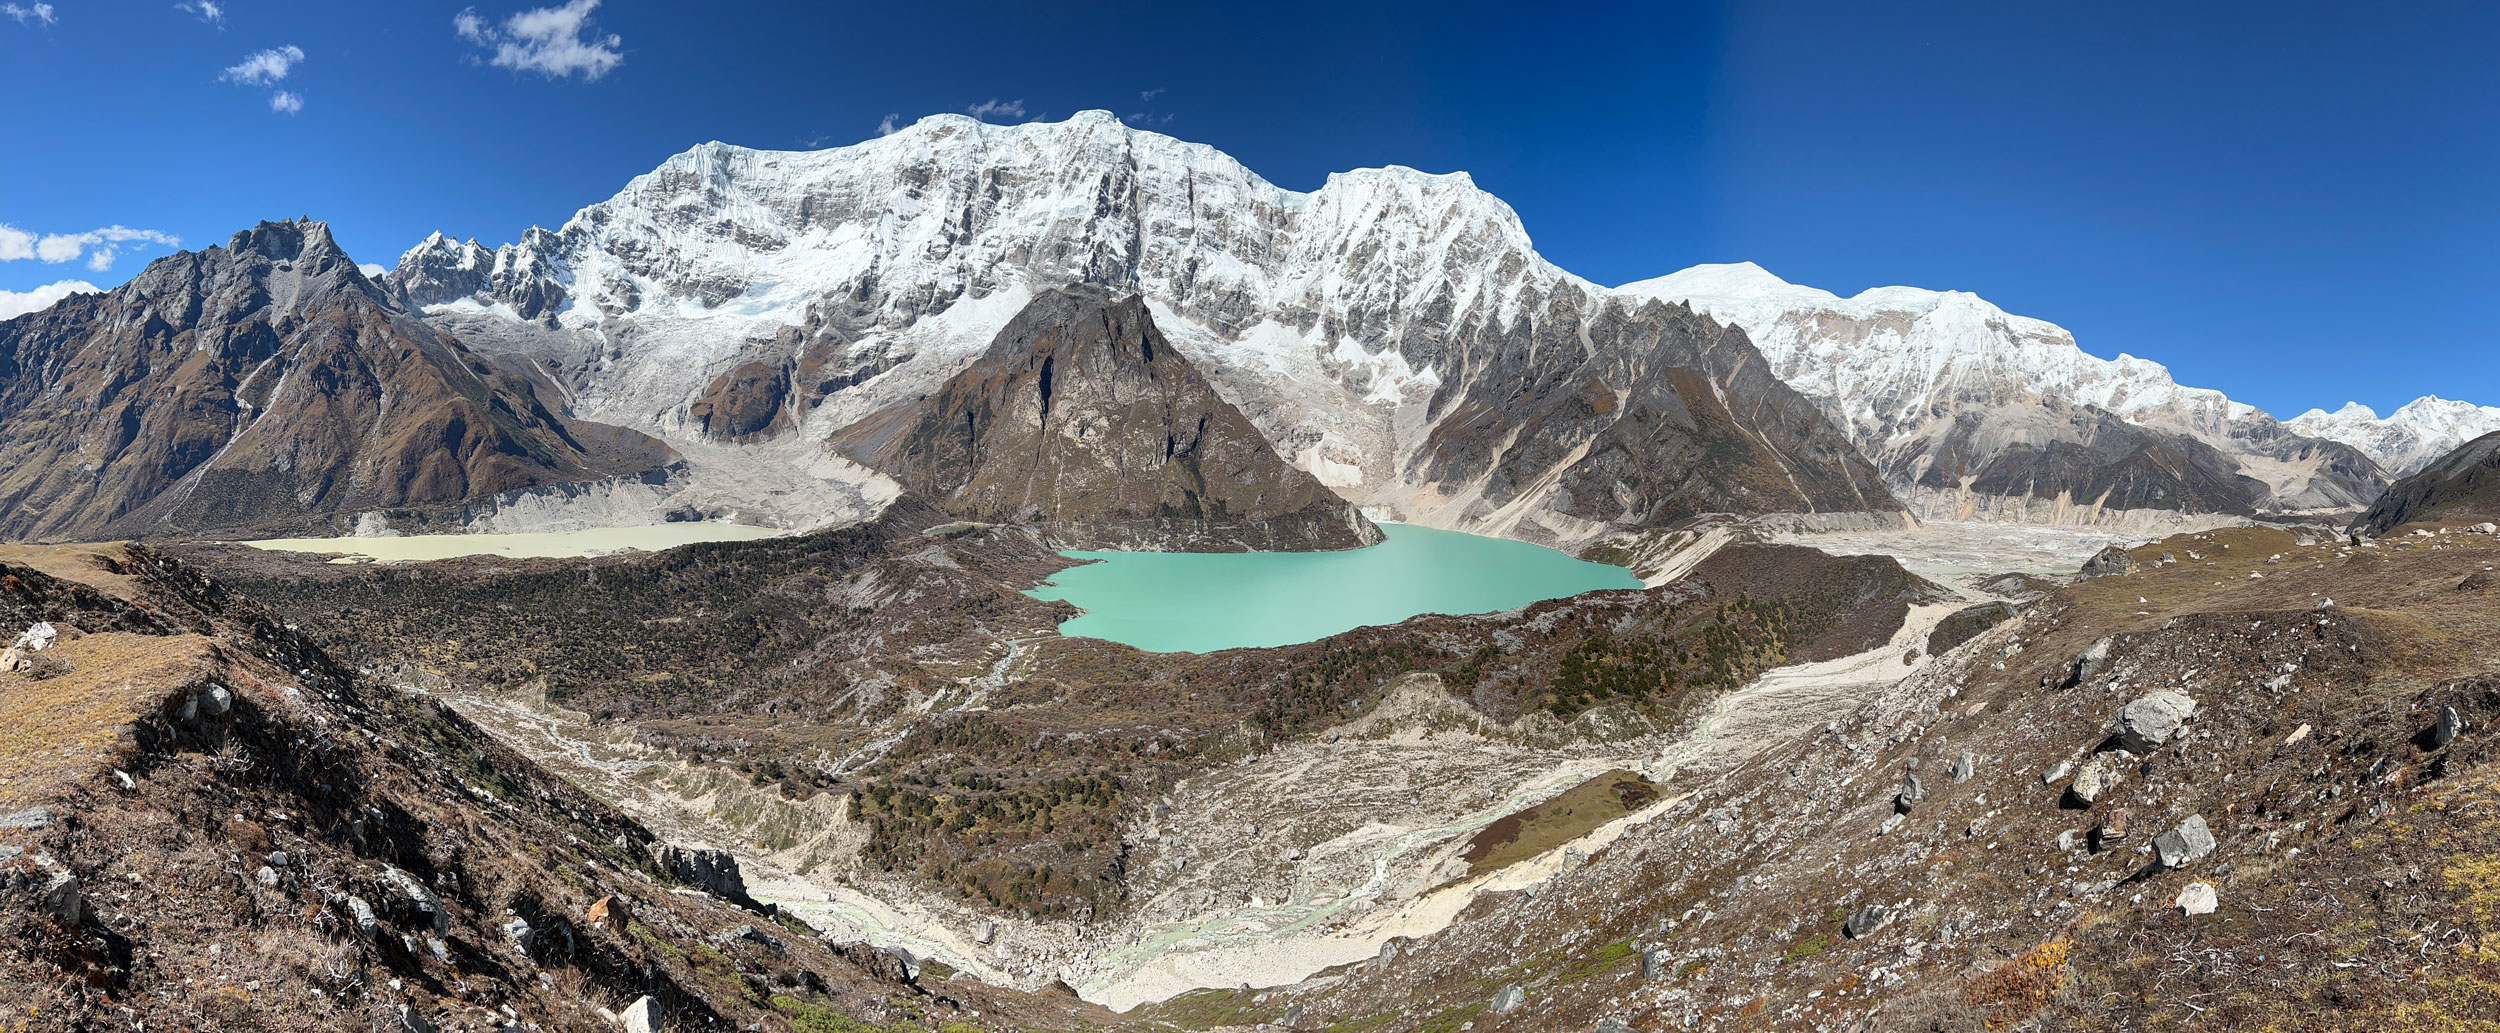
(1199, 602)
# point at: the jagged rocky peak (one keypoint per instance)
(2409, 438)
(1082, 418)
(266, 385)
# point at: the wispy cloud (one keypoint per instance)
(552, 41)
(1151, 94)
(268, 68)
(265, 67)
(100, 246)
(17, 303)
(39, 14)
(995, 107)
(887, 125)
(207, 11)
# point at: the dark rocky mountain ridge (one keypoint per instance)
(1082, 418)
(266, 385)
(2462, 485)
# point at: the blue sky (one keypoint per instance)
(2293, 203)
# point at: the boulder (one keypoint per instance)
(2112, 829)
(1509, 999)
(642, 1016)
(1964, 766)
(360, 916)
(2191, 840)
(906, 968)
(2056, 771)
(1865, 921)
(2098, 775)
(61, 899)
(2444, 730)
(2475, 582)
(427, 908)
(523, 938)
(1912, 791)
(266, 876)
(2486, 527)
(406, 1019)
(28, 820)
(1611, 1024)
(609, 910)
(2088, 663)
(2145, 724)
(1653, 963)
(2111, 560)
(2197, 898)
(35, 639)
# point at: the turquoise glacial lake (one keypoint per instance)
(1199, 602)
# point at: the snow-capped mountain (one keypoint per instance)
(1969, 409)
(1392, 332)
(2408, 439)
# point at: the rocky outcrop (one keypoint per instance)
(713, 871)
(265, 385)
(2461, 486)
(1081, 418)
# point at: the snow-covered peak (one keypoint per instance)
(951, 207)
(2408, 439)
(1888, 354)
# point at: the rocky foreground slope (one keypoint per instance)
(1082, 419)
(2245, 784)
(207, 823)
(267, 385)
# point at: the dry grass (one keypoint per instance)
(94, 565)
(52, 731)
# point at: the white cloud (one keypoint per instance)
(286, 103)
(995, 106)
(372, 269)
(887, 125)
(550, 41)
(205, 10)
(100, 246)
(1151, 94)
(25, 15)
(17, 303)
(265, 67)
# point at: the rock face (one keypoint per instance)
(266, 385)
(1975, 413)
(712, 871)
(1394, 334)
(1081, 418)
(2463, 485)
